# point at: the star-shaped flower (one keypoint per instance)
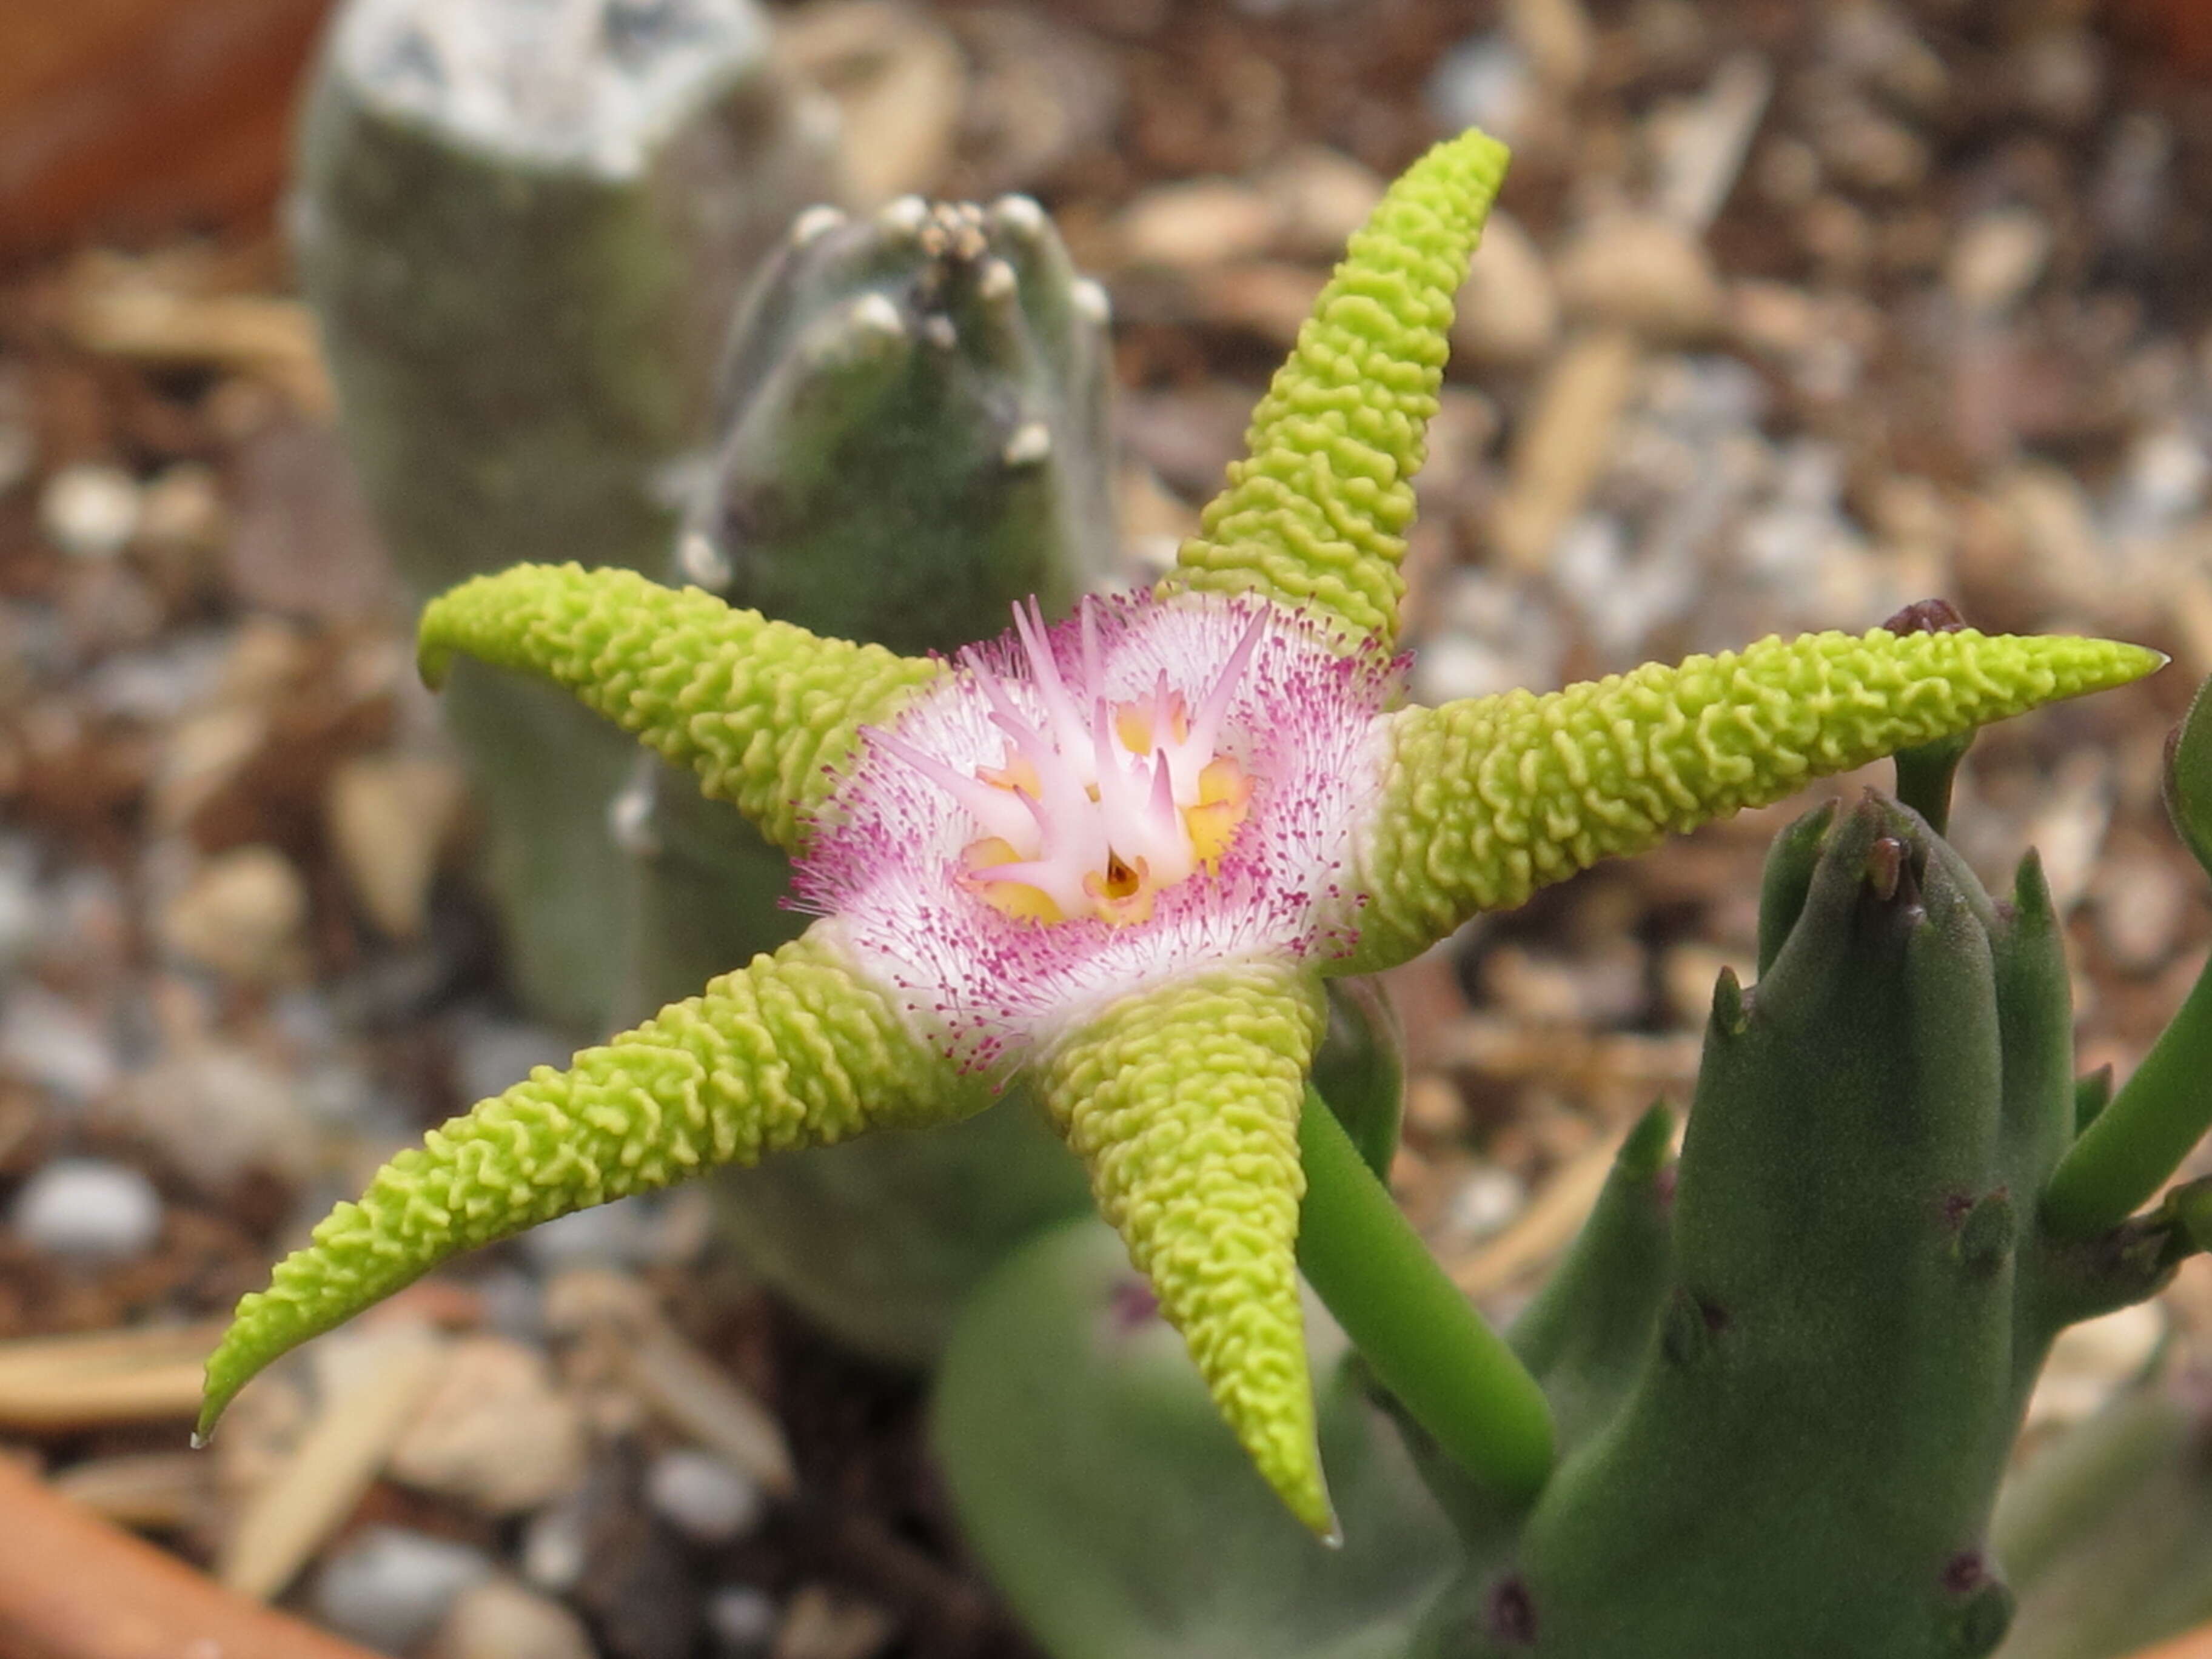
(1121, 856)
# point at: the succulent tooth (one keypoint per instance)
(815, 223)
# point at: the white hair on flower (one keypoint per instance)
(1150, 788)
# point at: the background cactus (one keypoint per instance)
(522, 229)
(912, 412)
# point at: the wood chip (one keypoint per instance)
(1704, 146)
(1564, 445)
(287, 1520)
(49, 1384)
(271, 339)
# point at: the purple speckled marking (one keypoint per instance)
(1513, 1613)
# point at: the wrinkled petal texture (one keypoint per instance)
(1183, 1104)
(1489, 799)
(792, 1050)
(886, 860)
(1318, 513)
(764, 713)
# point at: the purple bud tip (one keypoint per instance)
(1513, 1613)
(1927, 616)
(1966, 1572)
(1885, 865)
(1134, 1305)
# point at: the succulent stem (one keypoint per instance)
(1426, 1344)
(2126, 1154)
(1925, 773)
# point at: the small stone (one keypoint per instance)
(1198, 222)
(2055, 550)
(556, 1546)
(496, 1431)
(2141, 902)
(2059, 76)
(819, 1625)
(90, 510)
(707, 1499)
(78, 1206)
(1641, 272)
(1435, 1109)
(1837, 236)
(216, 1111)
(239, 917)
(2163, 483)
(498, 1618)
(51, 1043)
(389, 816)
(1321, 197)
(741, 1621)
(1483, 82)
(1482, 1205)
(1996, 258)
(1868, 151)
(1507, 311)
(387, 1588)
(183, 508)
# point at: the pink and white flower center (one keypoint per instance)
(1072, 813)
(1095, 806)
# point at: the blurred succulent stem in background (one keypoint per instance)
(522, 247)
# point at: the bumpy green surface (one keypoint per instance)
(1318, 513)
(1183, 1104)
(789, 1051)
(1489, 799)
(1788, 1387)
(760, 710)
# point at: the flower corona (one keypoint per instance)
(1078, 812)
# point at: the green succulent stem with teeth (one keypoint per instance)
(1184, 1096)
